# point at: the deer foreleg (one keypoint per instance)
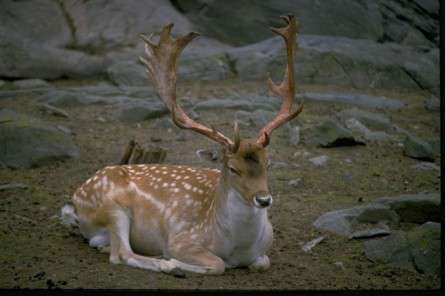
(262, 263)
(188, 256)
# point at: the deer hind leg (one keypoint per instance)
(120, 249)
(188, 256)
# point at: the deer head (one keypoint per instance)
(244, 161)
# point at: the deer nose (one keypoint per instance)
(263, 201)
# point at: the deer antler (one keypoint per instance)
(161, 60)
(286, 89)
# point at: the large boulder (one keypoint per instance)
(331, 133)
(25, 58)
(392, 250)
(103, 25)
(417, 249)
(415, 147)
(424, 243)
(357, 63)
(408, 22)
(28, 142)
(39, 21)
(414, 208)
(346, 222)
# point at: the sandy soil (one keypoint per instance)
(37, 252)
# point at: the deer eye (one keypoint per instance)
(234, 171)
(251, 157)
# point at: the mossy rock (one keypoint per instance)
(424, 243)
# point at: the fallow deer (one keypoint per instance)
(171, 218)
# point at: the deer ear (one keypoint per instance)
(207, 155)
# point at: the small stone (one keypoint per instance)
(155, 139)
(426, 166)
(101, 119)
(417, 148)
(319, 160)
(278, 165)
(340, 265)
(12, 186)
(296, 183)
(53, 110)
(347, 177)
(294, 135)
(30, 83)
(178, 273)
(307, 248)
(65, 130)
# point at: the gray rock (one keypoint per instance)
(41, 21)
(140, 110)
(373, 121)
(426, 166)
(331, 134)
(273, 165)
(110, 24)
(53, 110)
(294, 135)
(339, 222)
(258, 118)
(69, 99)
(249, 103)
(2, 83)
(339, 265)
(432, 104)
(128, 73)
(370, 233)
(393, 250)
(347, 221)
(414, 208)
(417, 148)
(307, 247)
(13, 186)
(29, 142)
(205, 67)
(424, 242)
(164, 123)
(319, 160)
(378, 213)
(357, 63)
(30, 83)
(315, 18)
(363, 132)
(417, 27)
(44, 61)
(356, 99)
(296, 183)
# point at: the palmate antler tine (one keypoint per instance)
(286, 89)
(161, 61)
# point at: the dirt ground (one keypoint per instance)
(37, 252)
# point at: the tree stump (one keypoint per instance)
(136, 154)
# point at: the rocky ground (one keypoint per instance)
(348, 148)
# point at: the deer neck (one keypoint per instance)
(234, 217)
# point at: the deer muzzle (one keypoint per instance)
(263, 200)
